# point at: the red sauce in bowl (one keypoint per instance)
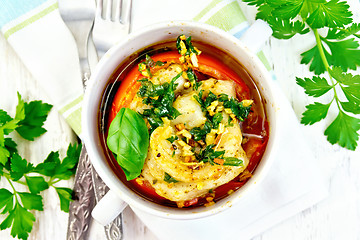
(255, 128)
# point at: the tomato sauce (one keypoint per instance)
(255, 128)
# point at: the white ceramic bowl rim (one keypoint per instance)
(115, 56)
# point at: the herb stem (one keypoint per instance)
(15, 193)
(321, 50)
(12, 186)
(326, 64)
(22, 183)
(52, 182)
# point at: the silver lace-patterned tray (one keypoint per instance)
(88, 190)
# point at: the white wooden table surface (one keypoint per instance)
(337, 217)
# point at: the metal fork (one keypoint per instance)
(112, 22)
(79, 17)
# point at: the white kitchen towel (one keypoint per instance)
(294, 183)
(41, 39)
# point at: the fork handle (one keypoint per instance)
(85, 70)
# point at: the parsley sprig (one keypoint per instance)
(17, 205)
(334, 52)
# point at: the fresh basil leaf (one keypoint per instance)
(128, 139)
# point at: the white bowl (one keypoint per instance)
(140, 40)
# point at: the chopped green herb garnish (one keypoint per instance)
(208, 154)
(200, 133)
(188, 45)
(213, 122)
(169, 179)
(147, 64)
(193, 79)
(159, 63)
(172, 138)
(232, 161)
(160, 97)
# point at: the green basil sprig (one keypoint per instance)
(128, 139)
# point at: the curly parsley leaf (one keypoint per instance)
(256, 3)
(349, 83)
(21, 221)
(65, 196)
(330, 14)
(4, 154)
(313, 57)
(31, 201)
(314, 113)
(36, 184)
(285, 29)
(286, 9)
(343, 130)
(336, 50)
(341, 33)
(344, 54)
(35, 115)
(19, 167)
(28, 122)
(351, 107)
(6, 200)
(315, 87)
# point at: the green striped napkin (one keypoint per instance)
(38, 35)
